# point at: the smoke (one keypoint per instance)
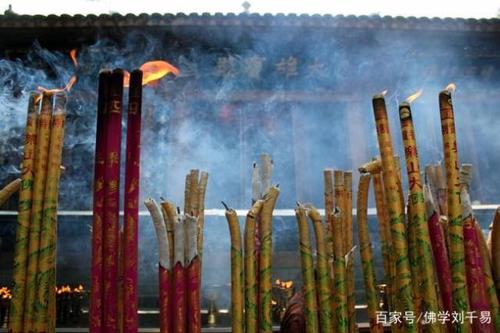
(301, 95)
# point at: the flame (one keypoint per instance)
(5, 293)
(72, 55)
(67, 87)
(152, 72)
(451, 87)
(284, 284)
(413, 97)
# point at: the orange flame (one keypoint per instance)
(67, 87)
(413, 97)
(72, 55)
(284, 284)
(451, 87)
(152, 72)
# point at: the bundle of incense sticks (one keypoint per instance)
(113, 304)
(180, 251)
(256, 312)
(338, 209)
(317, 287)
(432, 262)
(33, 301)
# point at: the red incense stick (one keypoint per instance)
(96, 295)
(131, 209)
(112, 203)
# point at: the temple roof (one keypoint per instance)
(254, 20)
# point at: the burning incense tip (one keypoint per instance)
(380, 95)
(414, 96)
(451, 88)
(72, 55)
(66, 88)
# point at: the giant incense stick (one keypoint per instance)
(265, 260)
(251, 307)
(417, 218)
(340, 290)
(474, 266)
(351, 296)
(338, 185)
(385, 235)
(488, 278)
(202, 188)
(164, 266)
(131, 207)
(9, 190)
(179, 305)
(193, 275)
(306, 260)
(329, 204)
(456, 246)
(403, 292)
(440, 252)
(169, 217)
(97, 286)
(48, 233)
(42, 151)
(237, 296)
(365, 248)
(17, 306)
(111, 203)
(322, 273)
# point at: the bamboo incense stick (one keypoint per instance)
(329, 204)
(9, 190)
(365, 248)
(97, 286)
(48, 235)
(237, 296)
(164, 265)
(323, 290)
(267, 171)
(306, 260)
(169, 217)
(17, 306)
(41, 157)
(202, 189)
(403, 292)
(385, 235)
(422, 240)
(131, 207)
(193, 275)
(112, 203)
(488, 278)
(338, 184)
(340, 289)
(193, 192)
(455, 228)
(256, 183)
(415, 263)
(265, 260)
(351, 296)
(250, 270)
